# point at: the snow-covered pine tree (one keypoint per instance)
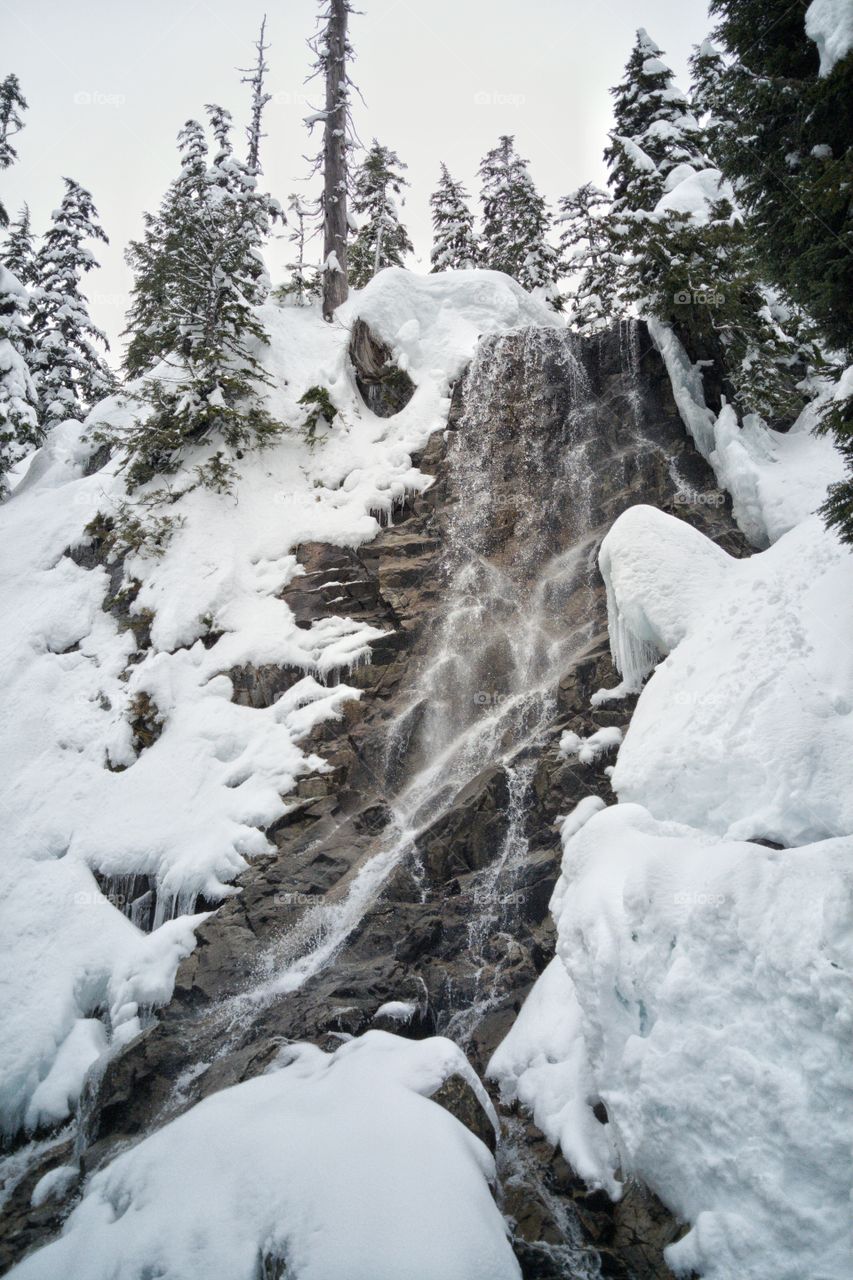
(305, 278)
(19, 426)
(332, 55)
(69, 372)
(254, 76)
(154, 320)
(381, 240)
(19, 251)
(454, 239)
(654, 132)
(515, 221)
(707, 96)
(585, 253)
(790, 155)
(204, 278)
(12, 103)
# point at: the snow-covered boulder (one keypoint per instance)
(746, 727)
(334, 1164)
(703, 992)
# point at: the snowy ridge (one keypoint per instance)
(189, 809)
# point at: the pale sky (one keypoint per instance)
(110, 82)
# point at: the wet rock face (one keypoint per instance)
(495, 622)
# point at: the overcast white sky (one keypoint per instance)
(109, 83)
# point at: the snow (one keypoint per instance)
(776, 479)
(830, 24)
(336, 1164)
(694, 193)
(189, 810)
(746, 729)
(706, 1000)
(588, 750)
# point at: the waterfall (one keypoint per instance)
(516, 603)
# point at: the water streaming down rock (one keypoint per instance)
(515, 555)
(419, 870)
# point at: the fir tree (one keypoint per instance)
(19, 253)
(194, 305)
(305, 279)
(707, 68)
(790, 152)
(454, 240)
(68, 370)
(585, 253)
(19, 429)
(655, 131)
(254, 76)
(515, 220)
(12, 103)
(382, 240)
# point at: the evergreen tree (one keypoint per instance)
(194, 305)
(382, 240)
(790, 152)
(12, 103)
(585, 253)
(305, 279)
(454, 240)
(707, 68)
(19, 429)
(19, 253)
(515, 220)
(68, 370)
(655, 131)
(254, 76)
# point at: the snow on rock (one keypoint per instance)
(335, 1164)
(432, 323)
(658, 573)
(188, 810)
(706, 999)
(543, 1064)
(746, 728)
(776, 479)
(588, 750)
(830, 24)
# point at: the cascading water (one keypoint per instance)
(517, 551)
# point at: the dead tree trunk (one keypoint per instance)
(335, 141)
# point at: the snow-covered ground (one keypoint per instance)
(189, 810)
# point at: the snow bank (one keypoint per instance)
(336, 1164)
(189, 809)
(776, 479)
(830, 24)
(746, 729)
(706, 999)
